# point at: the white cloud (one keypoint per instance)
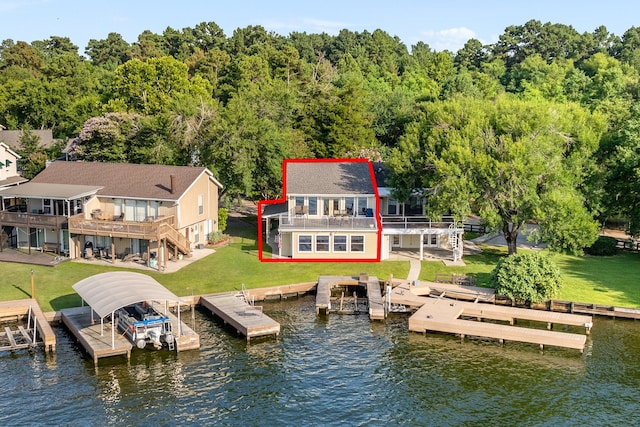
(452, 39)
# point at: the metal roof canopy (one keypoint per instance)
(107, 292)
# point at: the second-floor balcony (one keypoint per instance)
(409, 223)
(32, 220)
(327, 223)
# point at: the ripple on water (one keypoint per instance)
(337, 370)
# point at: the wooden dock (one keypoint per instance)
(95, 339)
(370, 283)
(186, 338)
(376, 307)
(29, 309)
(235, 310)
(449, 316)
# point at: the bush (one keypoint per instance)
(529, 277)
(604, 246)
(216, 237)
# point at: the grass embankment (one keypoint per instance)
(610, 281)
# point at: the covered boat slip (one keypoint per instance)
(106, 293)
(238, 311)
(36, 321)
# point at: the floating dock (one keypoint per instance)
(237, 311)
(24, 337)
(450, 316)
(370, 283)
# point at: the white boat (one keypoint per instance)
(143, 325)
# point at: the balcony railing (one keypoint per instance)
(328, 222)
(31, 220)
(409, 223)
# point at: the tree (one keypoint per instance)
(507, 160)
(529, 277)
(33, 158)
(109, 53)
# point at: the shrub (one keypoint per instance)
(604, 246)
(529, 277)
(223, 214)
(216, 237)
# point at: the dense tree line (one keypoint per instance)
(543, 124)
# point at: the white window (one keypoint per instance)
(200, 204)
(357, 243)
(313, 206)
(322, 243)
(304, 243)
(392, 207)
(340, 243)
(362, 206)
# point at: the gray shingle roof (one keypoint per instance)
(12, 137)
(328, 177)
(124, 179)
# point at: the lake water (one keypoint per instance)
(338, 370)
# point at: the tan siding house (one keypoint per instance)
(119, 210)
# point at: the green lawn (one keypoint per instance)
(610, 280)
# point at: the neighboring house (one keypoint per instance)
(115, 209)
(12, 137)
(9, 167)
(329, 211)
(342, 209)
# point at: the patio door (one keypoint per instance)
(135, 210)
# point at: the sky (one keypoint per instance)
(442, 24)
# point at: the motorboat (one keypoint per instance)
(143, 325)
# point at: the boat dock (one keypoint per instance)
(370, 283)
(95, 337)
(238, 311)
(186, 338)
(450, 316)
(22, 337)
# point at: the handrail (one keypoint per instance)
(32, 219)
(156, 229)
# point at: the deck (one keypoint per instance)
(372, 284)
(27, 308)
(88, 334)
(247, 319)
(449, 316)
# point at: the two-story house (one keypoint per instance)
(342, 209)
(9, 175)
(115, 209)
(329, 211)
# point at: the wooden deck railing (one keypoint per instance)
(157, 229)
(23, 219)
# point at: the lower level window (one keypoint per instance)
(304, 243)
(340, 243)
(322, 243)
(357, 243)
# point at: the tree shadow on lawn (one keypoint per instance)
(66, 301)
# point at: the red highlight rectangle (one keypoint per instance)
(263, 203)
